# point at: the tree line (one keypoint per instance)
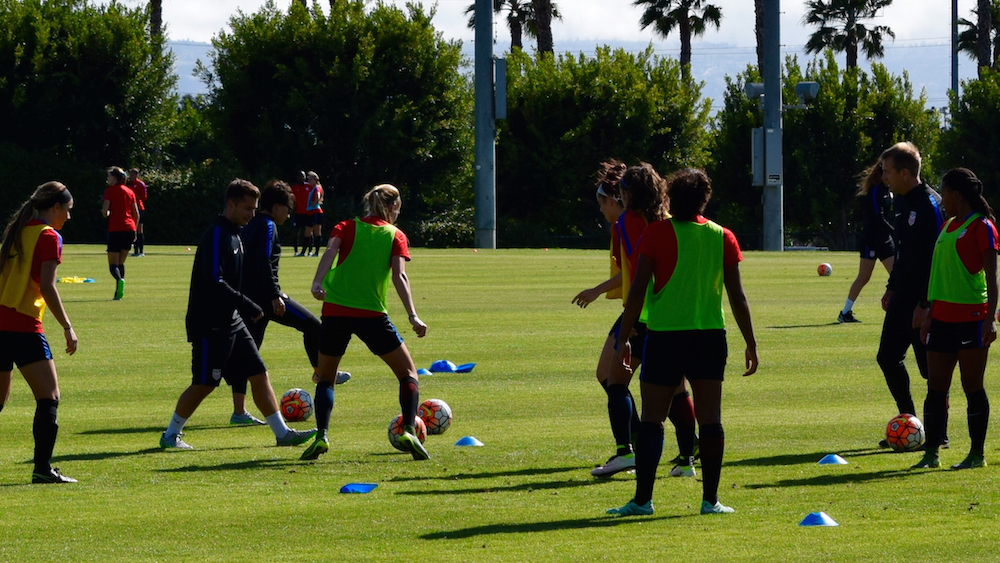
(370, 95)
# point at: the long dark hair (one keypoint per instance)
(647, 191)
(871, 177)
(965, 182)
(607, 178)
(45, 196)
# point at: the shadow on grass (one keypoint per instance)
(235, 466)
(842, 479)
(97, 456)
(493, 474)
(797, 459)
(526, 528)
(522, 487)
(159, 429)
(834, 323)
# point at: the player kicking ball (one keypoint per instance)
(222, 347)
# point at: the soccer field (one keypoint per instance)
(527, 494)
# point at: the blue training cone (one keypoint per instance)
(818, 519)
(469, 441)
(833, 459)
(358, 488)
(423, 371)
(464, 368)
(443, 366)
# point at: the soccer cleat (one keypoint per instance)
(295, 437)
(119, 289)
(883, 443)
(615, 464)
(683, 471)
(174, 441)
(929, 461)
(343, 377)
(245, 418)
(412, 443)
(633, 509)
(847, 317)
(316, 449)
(53, 476)
(972, 461)
(717, 508)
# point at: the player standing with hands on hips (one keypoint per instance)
(962, 321)
(30, 253)
(684, 262)
(369, 252)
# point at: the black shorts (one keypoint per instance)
(302, 220)
(22, 348)
(120, 240)
(871, 250)
(694, 354)
(233, 357)
(638, 341)
(378, 333)
(949, 338)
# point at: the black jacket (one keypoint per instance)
(918, 221)
(260, 263)
(215, 303)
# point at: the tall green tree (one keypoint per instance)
(361, 97)
(156, 18)
(520, 19)
(973, 140)
(624, 105)
(691, 18)
(82, 87)
(984, 19)
(842, 28)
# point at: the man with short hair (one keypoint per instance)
(222, 347)
(917, 223)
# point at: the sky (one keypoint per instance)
(922, 29)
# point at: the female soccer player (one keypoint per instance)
(876, 236)
(314, 208)
(30, 253)
(645, 205)
(122, 212)
(369, 252)
(962, 322)
(684, 263)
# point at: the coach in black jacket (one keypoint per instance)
(918, 220)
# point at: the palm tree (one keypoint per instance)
(968, 40)
(840, 28)
(691, 18)
(984, 16)
(758, 8)
(156, 18)
(520, 19)
(543, 22)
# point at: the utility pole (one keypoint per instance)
(774, 222)
(954, 46)
(485, 136)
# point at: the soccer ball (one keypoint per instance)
(436, 414)
(396, 430)
(824, 269)
(296, 405)
(904, 433)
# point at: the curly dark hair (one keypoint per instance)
(646, 191)
(689, 191)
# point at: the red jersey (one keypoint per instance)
(301, 193)
(138, 187)
(121, 201)
(344, 230)
(659, 242)
(978, 238)
(48, 247)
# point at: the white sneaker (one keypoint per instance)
(683, 471)
(173, 441)
(717, 508)
(615, 464)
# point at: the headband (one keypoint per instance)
(63, 197)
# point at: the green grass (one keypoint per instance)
(532, 399)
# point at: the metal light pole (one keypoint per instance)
(954, 46)
(774, 226)
(485, 144)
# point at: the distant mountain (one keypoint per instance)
(928, 64)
